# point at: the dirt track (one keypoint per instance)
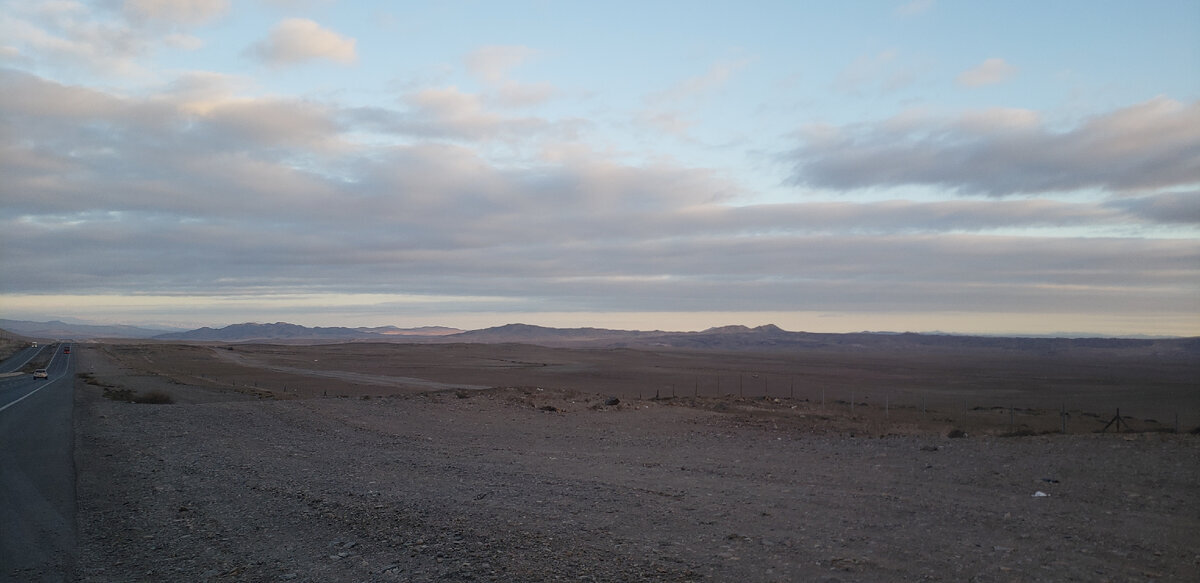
(493, 486)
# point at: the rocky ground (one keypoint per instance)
(527, 484)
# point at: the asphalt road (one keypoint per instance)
(37, 470)
(16, 361)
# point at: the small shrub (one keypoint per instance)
(90, 379)
(117, 394)
(128, 396)
(154, 398)
(956, 433)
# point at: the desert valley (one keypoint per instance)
(532, 454)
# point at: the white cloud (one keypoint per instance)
(999, 120)
(492, 65)
(667, 122)
(296, 5)
(67, 33)
(297, 40)
(514, 94)
(185, 42)
(180, 12)
(200, 91)
(990, 72)
(451, 112)
(914, 7)
(247, 123)
(74, 35)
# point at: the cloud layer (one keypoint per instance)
(198, 191)
(999, 152)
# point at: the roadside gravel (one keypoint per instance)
(494, 486)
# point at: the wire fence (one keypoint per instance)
(1074, 409)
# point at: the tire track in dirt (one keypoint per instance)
(346, 376)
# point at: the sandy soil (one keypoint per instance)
(241, 481)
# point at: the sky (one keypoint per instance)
(970, 167)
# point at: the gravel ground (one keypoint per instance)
(495, 486)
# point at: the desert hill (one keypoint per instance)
(735, 337)
(762, 338)
(250, 332)
(59, 330)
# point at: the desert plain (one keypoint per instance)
(510, 462)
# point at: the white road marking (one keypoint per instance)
(31, 357)
(48, 381)
(26, 396)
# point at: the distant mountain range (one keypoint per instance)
(767, 337)
(58, 330)
(289, 332)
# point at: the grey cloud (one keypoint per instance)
(297, 40)
(251, 124)
(898, 273)
(197, 151)
(636, 271)
(918, 217)
(29, 95)
(179, 194)
(1155, 144)
(1167, 208)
